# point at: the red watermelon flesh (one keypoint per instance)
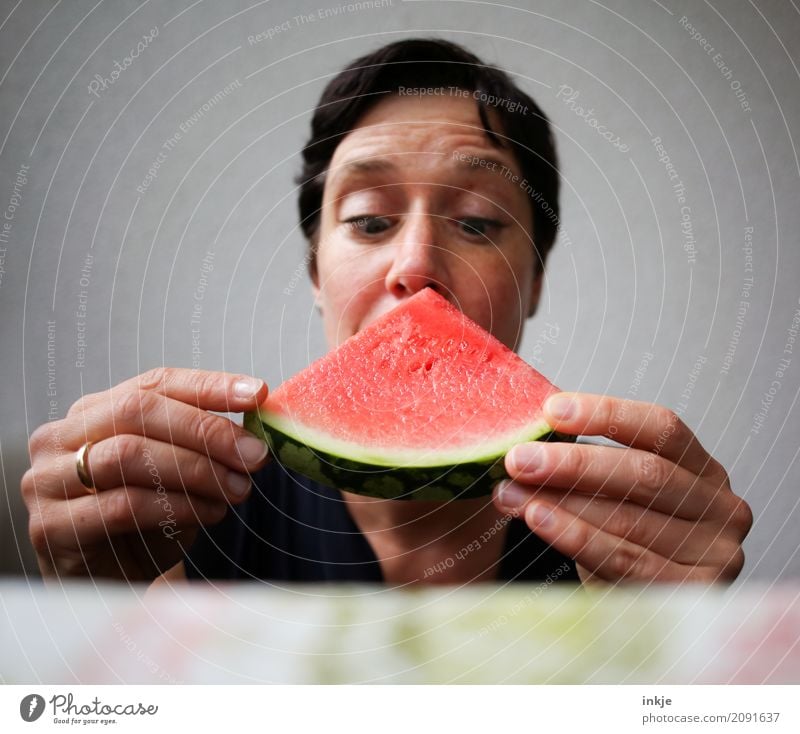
(422, 386)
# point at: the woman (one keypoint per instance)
(424, 169)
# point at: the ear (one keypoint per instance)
(312, 254)
(536, 292)
(315, 289)
(313, 274)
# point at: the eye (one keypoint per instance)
(478, 226)
(368, 225)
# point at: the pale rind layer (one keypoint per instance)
(405, 475)
(432, 456)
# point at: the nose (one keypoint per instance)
(418, 261)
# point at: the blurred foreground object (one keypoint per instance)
(542, 633)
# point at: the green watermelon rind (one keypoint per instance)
(442, 481)
(485, 450)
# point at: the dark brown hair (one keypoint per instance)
(422, 63)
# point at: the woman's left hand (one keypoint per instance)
(659, 509)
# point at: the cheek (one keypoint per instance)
(508, 311)
(337, 264)
(349, 281)
(497, 296)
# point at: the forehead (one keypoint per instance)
(420, 130)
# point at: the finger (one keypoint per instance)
(106, 515)
(84, 402)
(642, 477)
(637, 424)
(209, 390)
(679, 540)
(130, 460)
(607, 556)
(172, 421)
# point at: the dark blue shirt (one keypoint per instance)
(293, 529)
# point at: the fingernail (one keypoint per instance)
(542, 517)
(247, 387)
(512, 496)
(251, 449)
(238, 484)
(527, 457)
(562, 408)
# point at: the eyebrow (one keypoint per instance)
(465, 161)
(368, 165)
(481, 163)
(358, 169)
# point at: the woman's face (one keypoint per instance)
(416, 196)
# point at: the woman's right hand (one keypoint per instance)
(162, 466)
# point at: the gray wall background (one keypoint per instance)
(627, 309)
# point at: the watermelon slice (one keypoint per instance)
(421, 404)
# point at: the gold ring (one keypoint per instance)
(82, 465)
